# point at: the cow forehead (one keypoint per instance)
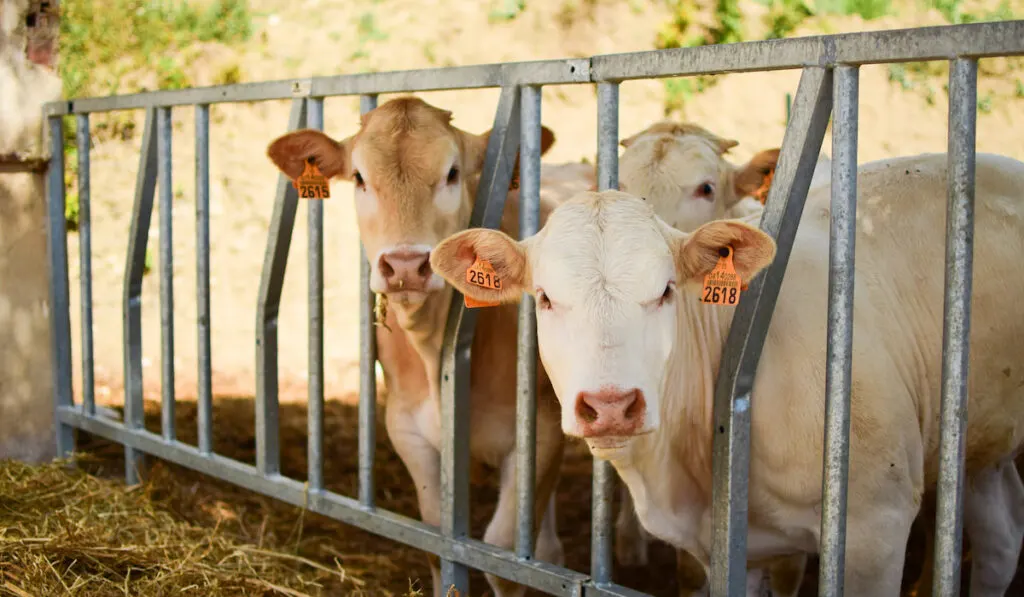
(603, 243)
(690, 159)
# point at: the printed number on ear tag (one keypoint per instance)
(722, 285)
(481, 274)
(311, 184)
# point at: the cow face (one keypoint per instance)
(415, 179)
(608, 276)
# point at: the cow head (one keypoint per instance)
(681, 169)
(613, 284)
(415, 181)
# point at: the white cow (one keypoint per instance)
(632, 355)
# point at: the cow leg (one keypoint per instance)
(994, 521)
(786, 575)
(423, 462)
(630, 537)
(501, 531)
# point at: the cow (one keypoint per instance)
(416, 177)
(632, 354)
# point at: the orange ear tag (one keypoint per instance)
(311, 184)
(761, 194)
(481, 274)
(722, 285)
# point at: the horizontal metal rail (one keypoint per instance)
(519, 108)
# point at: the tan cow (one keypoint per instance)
(632, 355)
(416, 177)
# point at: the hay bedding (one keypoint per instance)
(184, 533)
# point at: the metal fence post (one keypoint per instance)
(956, 328)
(204, 411)
(840, 330)
(164, 133)
(315, 260)
(367, 366)
(84, 141)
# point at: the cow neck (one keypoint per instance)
(686, 430)
(424, 324)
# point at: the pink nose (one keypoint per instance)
(610, 412)
(405, 270)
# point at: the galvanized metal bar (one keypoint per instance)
(135, 265)
(204, 413)
(275, 259)
(164, 176)
(956, 328)
(603, 474)
(526, 359)
(478, 76)
(542, 576)
(731, 451)
(315, 236)
(84, 142)
(367, 366)
(846, 90)
(979, 40)
(60, 293)
(458, 341)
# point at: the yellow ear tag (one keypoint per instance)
(722, 285)
(481, 274)
(311, 184)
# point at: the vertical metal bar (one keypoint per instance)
(60, 300)
(204, 415)
(460, 326)
(164, 135)
(275, 259)
(85, 260)
(963, 97)
(603, 474)
(367, 366)
(135, 263)
(846, 89)
(731, 451)
(315, 234)
(526, 369)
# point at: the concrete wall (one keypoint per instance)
(28, 33)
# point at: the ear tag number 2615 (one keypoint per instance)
(722, 285)
(311, 184)
(481, 274)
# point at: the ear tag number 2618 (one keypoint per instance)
(311, 184)
(722, 285)
(481, 274)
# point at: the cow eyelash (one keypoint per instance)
(359, 179)
(668, 294)
(543, 302)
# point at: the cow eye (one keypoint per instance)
(543, 302)
(453, 175)
(705, 191)
(359, 179)
(667, 295)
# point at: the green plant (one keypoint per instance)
(677, 92)
(507, 10)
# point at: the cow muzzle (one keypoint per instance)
(610, 412)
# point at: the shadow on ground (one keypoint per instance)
(386, 567)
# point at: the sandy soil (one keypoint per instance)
(316, 37)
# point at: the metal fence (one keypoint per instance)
(828, 87)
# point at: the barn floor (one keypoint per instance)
(387, 568)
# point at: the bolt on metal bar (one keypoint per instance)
(846, 89)
(275, 259)
(164, 177)
(84, 141)
(526, 359)
(204, 414)
(135, 265)
(460, 327)
(60, 293)
(801, 145)
(603, 475)
(315, 233)
(956, 328)
(367, 366)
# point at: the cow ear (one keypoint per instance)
(697, 254)
(754, 179)
(289, 153)
(455, 255)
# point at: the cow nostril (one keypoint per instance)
(635, 408)
(424, 269)
(585, 412)
(385, 268)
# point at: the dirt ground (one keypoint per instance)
(316, 37)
